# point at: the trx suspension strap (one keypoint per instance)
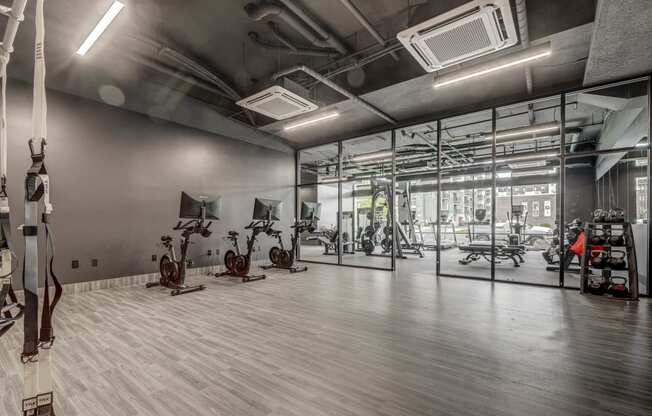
(38, 397)
(10, 309)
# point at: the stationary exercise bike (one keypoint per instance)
(284, 259)
(173, 269)
(238, 264)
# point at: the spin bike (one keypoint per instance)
(282, 258)
(172, 269)
(238, 264)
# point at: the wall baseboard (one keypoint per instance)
(129, 281)
(194, 274)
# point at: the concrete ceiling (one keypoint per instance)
(215, 34)
(621, 41)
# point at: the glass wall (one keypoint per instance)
(367, 191)
(607, 167)
(466, 194)
(528, 161)
(499, 194)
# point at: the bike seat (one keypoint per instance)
(166, 238)
(233, 234)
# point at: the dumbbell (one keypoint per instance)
(616, 215)
(600, 215)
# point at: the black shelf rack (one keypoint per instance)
(607, 228)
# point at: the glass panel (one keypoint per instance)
(367, 176)
(607, 118)
(416, 198)
(623, 185)
(366, 205)
(416, 215)
(367, 157)
(466, 171)
(322, 244)
(528, 143)
(318, 164)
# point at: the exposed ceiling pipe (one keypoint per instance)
(366, 24)
(150, 63)
(337, 88)
(366, 60)
(296, 51)
(280, 37)
(258, 13)
(521, 15)
(197, 69)
(329, 37)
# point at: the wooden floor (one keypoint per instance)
(345, 342)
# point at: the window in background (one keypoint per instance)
(642, 193)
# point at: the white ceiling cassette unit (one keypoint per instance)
(475, 29)
(278, 102)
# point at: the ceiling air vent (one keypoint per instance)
(278, 102)
(467, 32)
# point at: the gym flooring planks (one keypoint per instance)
(345, 342)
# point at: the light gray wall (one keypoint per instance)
(116, 179)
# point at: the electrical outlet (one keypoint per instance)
(154, 257)
(75, 264)
(95, 262)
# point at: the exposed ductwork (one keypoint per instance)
(291, 50)
(521, 16)
(163, 69)
(322, 40)
(366, 24)
(337, 88)
(197, 69)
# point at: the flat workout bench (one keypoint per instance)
(476, 251)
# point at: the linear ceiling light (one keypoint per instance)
(512, 60)
(104, 23)
(311, 121)
(526, 132)
(372, 156)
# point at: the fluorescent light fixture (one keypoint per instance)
(518, 58)
(104, 23)
(526, 132)
(311, 121)
(371, 156)
(329, 180)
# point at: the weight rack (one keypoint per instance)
(632, 266)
